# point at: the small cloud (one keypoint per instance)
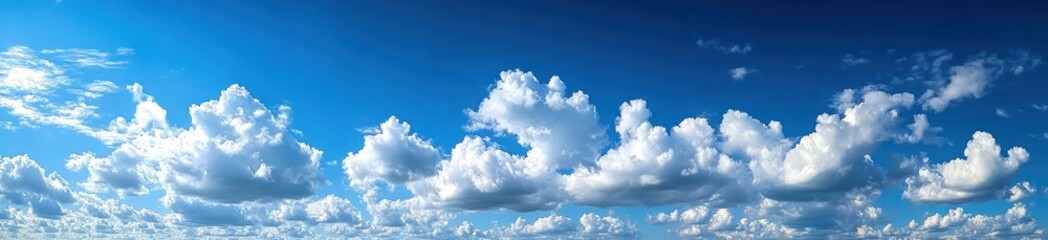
(851, 60)
(740, 73)
(1040, 107)
(727, 48)
(1003, 113)
(125, 51)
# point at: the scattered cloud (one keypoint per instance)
(724, 47)
(740, 73)
(1002, 113)
(852, 60)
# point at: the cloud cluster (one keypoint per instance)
(654, 166)
(238, 170)
(982, 175)
(23, 182)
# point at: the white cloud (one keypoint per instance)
(237, 150)
(596, 226)
(550, 225)
(1002, 113)
(726, 48)
(740, 73)
(835, 157)
(973, 78)
(1040, 107)
(920, 131)
(1020, 191)
(652, 166)
(1015, 223)
(391, 154)
(125, 51)
(23, 182)
(329, 209)
(984, 174)
(561, 131)
(85, 57)
(852, 60)
(481, 176)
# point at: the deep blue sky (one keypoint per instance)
(344, 66)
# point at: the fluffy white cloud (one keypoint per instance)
(1015, 223)
(407, 218)
(481, 176)
(561, 131)
(550, 225)
(393, 155)
(237, 150)
(651, 166)
(23, 182)
(596, 226)
(984, 174)
(1020, 191)
(834, 158)
(330, 209)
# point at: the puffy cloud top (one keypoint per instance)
(983, 174)
(393, 155)
(23, 182)
(651, 166)
(561, 131)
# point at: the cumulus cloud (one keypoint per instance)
(479, 176)
(835, 157)
(1020, 191)
(596, 226)
(237, 150)
(982, 175)
(561, 131)
(920, 131)
(393, 155)
(329, 209)
(652, 166)
(546, 226)
(1015, 223)
(23, 182)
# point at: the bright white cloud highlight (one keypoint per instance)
(981, 175)
(391, 154)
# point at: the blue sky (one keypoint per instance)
(251, 118)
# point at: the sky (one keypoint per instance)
(523, 120)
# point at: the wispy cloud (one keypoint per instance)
(852, 60)
(727, 48)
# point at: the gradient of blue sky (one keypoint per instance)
(347, 66)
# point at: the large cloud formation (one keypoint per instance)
(651, 166)
(983, 174)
